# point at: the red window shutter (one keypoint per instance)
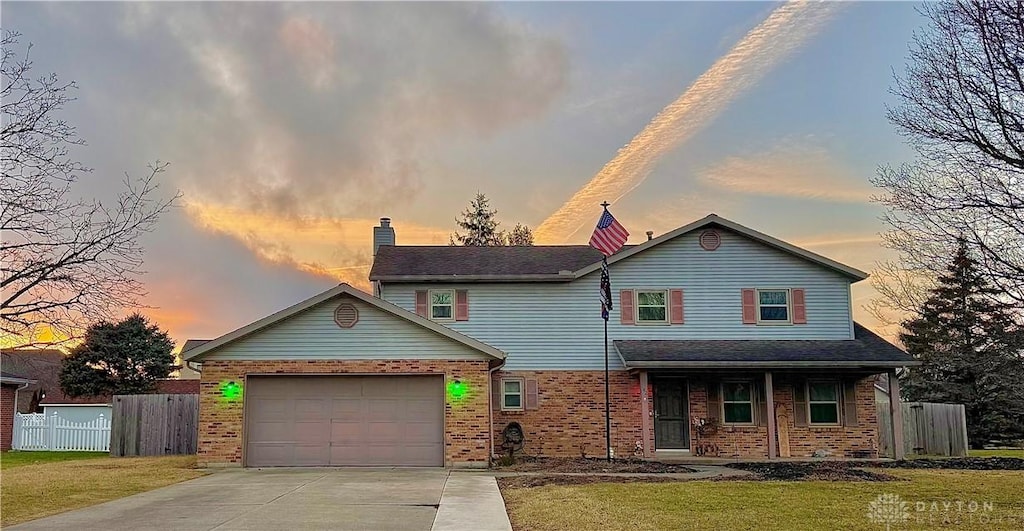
(421, 303)
(626, 306)
(676, 306)
(749, 306)
(461, 305)
(799, 306)
(532, 395)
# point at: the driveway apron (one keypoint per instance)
(353, 498)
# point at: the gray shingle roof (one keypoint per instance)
(867, 349)
(193, 343)
(403, 261)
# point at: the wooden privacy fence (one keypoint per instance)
(39, 431)
(928, 429)
(154, 425)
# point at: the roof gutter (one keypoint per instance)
(767, 364)
(564, 276)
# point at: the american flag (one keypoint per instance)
(609, 236)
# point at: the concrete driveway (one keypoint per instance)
(401, 499)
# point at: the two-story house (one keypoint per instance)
(723, 341)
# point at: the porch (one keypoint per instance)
(763, 399)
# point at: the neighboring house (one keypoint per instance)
(89, 408)
(713, 323)
(40, 365)
(11, 385)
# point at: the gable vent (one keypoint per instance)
(710, 240)
(346, 315)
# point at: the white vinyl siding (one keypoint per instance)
(557, 325)
(313, 334)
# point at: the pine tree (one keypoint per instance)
(520, 235)
(970, 348)
(481, 229)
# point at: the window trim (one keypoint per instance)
(636, 307)
(522, 394)
(771, 322)
(430, 306)
(838, 402)
(752, 402)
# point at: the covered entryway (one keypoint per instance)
(344, 421)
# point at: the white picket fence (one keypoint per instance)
(34, 431)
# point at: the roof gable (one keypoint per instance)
(198, 352)
(713, 220)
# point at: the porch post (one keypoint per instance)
(769, 395)
(896, 413)
(645, 415)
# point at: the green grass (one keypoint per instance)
(768, 505)
(14, 458)
(36, 490)
(1005, 452)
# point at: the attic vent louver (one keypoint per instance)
(710, 240)
(346, 315)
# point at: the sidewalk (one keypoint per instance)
(471, 501)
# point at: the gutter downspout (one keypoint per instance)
(490, 407)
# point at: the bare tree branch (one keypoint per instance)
(66, 261)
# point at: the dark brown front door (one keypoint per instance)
(671, 415)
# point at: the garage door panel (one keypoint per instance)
(345, 420)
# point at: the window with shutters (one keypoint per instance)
(823, 402)
(773, 306)
(442, 304)
(512, 394)
(651, 306)
(738, 402)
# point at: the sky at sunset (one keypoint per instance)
(291, 128)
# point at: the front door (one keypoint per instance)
(671, 415)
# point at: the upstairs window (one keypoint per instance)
(773, 306)
(442, 304)
(651, 306)
(823, 402)
(737, 403)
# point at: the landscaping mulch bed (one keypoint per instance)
(957, 463)
(580, 465)
(820, 471)
(524, 482)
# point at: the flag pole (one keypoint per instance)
(607, 386)
(607, 394)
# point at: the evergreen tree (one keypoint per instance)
(118, 358)
(520, 235)
(479, 224)
(970, 348)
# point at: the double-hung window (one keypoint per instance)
(737, 403)
(512, 394)
(442, 304)
(823, 402)
(651, 306)
(773, 306)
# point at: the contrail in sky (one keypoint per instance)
(785, 30)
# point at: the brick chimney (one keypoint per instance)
(383, 235)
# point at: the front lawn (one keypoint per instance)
(37, 490)
(773, 504)
(14, 458)
(1005, 452)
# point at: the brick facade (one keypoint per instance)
(569, 419)
(7, 393)
(752, 441)
(466, 418)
